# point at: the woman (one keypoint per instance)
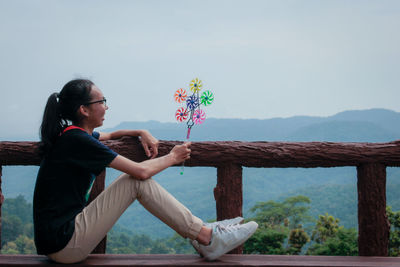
(66, 230)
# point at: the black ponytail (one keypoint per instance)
(61, 110)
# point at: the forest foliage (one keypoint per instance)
(285, 228)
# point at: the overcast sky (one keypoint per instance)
(262, 59)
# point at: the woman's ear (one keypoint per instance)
(83, 112)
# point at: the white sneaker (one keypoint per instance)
(224, 239)
(224, 223)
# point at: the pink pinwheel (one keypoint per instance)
(180, 95)
(199, 116)
(181, 114)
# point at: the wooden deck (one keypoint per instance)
(194, 260)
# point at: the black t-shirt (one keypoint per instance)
(63, 183)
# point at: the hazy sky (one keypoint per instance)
(262, 59)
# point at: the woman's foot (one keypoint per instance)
(226, 238)
(204, 236)
(224, 223)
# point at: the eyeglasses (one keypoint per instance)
(103, 101)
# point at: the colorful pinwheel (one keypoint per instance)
(195, 85)
(181, 114)
(192, 110)
(180, 95)
(199, 116)
(192, 102)
(207, 98)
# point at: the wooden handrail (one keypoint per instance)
(168, 260)
(247, 154)
(371, 160)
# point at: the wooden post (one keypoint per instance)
(1, 202)
(373, 224)
(228, 194)
(98, 187)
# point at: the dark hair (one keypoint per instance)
(61, 110)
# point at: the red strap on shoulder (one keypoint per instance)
(72, 127)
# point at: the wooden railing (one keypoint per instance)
(371, 160)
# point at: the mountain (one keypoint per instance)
(331, 189)
(343, 131)
(374, 125)
(384, 118)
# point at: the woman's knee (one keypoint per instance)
(136, 186)
(69, 256)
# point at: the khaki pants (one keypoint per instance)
(93, 223)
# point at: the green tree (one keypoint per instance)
(267, 240)
(10, 248)
(122, 241)
(159, 247)
(180, 245)
(279, 221)
(19, 207)
(16, 219)
(28, 230)
(332, 239)
(344, 243)
(21, 245)
(297, 239)
(142, 244)
(12, 227)
(290, 212)
(394, 237)
(327, 226)
(25, 245)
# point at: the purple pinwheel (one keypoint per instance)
(192, 102)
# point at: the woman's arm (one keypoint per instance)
(146, 169)
(118, 134)
(149, 142)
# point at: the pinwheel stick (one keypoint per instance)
(187, 139)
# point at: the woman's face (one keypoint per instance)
(97, 110)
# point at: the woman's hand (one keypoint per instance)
(181, 152)
(149, 143)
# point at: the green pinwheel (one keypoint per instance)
(207, 98)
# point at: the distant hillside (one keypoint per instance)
(340, 200)
(343, 131)
(387, 119)
(374, 125)
(331, 189)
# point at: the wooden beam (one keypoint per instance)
(228, 194)
(373, 224)
(248, 154)
(1, 203)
